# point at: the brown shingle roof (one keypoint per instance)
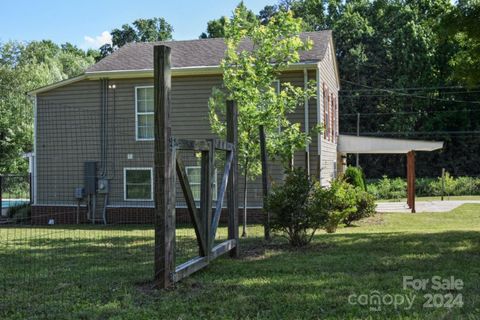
(193, 53)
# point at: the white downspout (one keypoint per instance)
(34, 171)
(306, 120)
(319, 123)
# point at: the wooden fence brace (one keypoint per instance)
(205, 194)
(221, 194)
(164, 194)
(232, 188)
(192, 209)
(195, 145)
(263, 154)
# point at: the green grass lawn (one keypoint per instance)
(434, 198)
(104, 273)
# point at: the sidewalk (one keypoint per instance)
(423, 206)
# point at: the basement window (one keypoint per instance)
(138, 184)
(144, 123)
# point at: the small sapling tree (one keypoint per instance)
(256, 54)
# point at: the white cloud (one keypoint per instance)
(97, 41)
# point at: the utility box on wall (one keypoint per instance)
(90, 175)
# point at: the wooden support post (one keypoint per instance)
(164, 191)
(411, 180)
(232, 187)
(263, 154)
(443, 183)
(408, 182)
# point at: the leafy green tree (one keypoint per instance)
(429, 45)
(462, 23)
(215, 29)
(24, 67)
(150, 30)
(248, 76)
(141, 30)
(267, 13)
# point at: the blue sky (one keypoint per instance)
(84, 22)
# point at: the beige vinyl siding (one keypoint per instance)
(63, 143)
(68, 134)
(328, 151)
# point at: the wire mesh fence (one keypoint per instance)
(89, 232)
(186, 246)
(15, 193)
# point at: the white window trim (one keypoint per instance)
(140, 113)
(125, 183)
(215, 195)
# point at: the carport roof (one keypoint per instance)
(371, 145)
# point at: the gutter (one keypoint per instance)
(148, 73)
(34, 173)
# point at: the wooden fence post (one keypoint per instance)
(263, 154)
(232, 187)
(164, 194)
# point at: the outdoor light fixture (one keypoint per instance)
(344, 159)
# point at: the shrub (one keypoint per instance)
(290, 208)
(355, 176)
(365, 203)
(20, 213)
(389, 188)
(425, 187)
(334, 204)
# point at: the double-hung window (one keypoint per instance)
(144, 113)
(194, 178)
(138, 184)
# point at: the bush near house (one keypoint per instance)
(290, 206)
(337, 202)
(365, 203)
(396, 188)
(20, 213)
(301, 206)
(356, 177)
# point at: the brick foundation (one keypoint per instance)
(41, 215)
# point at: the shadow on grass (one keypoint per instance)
(270, 280)
(316, 281)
